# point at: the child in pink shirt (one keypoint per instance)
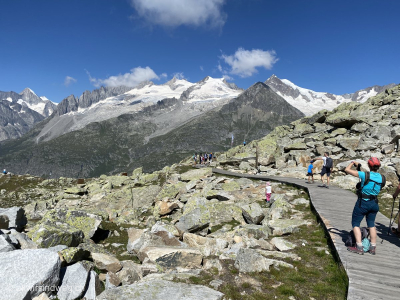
(268, 192)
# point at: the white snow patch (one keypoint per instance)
(364, 95)
(310, 102)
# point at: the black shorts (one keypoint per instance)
(310, 174)
(326, 171)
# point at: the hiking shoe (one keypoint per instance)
(327, 186)
(395, 232)
(372, 250)
(356, 250)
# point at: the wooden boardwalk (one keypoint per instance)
(370, 277)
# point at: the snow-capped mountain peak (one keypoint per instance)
(310, 102)
(29, 97)
(210, 89)
(175, 83)
(27, 91)
(42, 105)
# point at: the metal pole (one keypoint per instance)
(391, 215)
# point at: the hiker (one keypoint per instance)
(205, 157)
(268, 192)
(4, 172)
(244, 143)
(200, 158)
(310, 173)
(396, 230)
(195, 158)
(210, 157)
(326, 169)
(367, 202)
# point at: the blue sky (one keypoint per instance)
(58, 48)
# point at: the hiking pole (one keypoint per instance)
(391, 215)
(132, 195)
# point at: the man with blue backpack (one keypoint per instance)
(367, 202)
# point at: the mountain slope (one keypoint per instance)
(310, 102)
(20, 112)
(15, 119)
(107, 103)
(140, 139)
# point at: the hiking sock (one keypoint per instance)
(360, 246)
(373, 245)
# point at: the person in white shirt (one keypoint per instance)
(326, 169)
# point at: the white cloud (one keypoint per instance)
(201, 68)
(179, 75)
(69, 80)
(174, 13)
(227, 77)
(164, 75)
(132, 79)
(245, 62)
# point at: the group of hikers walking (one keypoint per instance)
(202, 158)
(326, 170)
(367, 190)
(370, 184)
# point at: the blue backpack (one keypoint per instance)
(351, 240)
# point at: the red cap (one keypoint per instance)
(374, 162)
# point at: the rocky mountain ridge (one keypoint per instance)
(20, 112)
(310, 102)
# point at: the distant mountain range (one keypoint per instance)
(117, 129)
(310, 102)
(153, 136)
(20, 112)
(107, 103)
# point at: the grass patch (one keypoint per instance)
(18, 190)
(203, 279)
(215, 228)
(180, 169)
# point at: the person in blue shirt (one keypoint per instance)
(367, 203)
(4, 172)
(310, 172)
